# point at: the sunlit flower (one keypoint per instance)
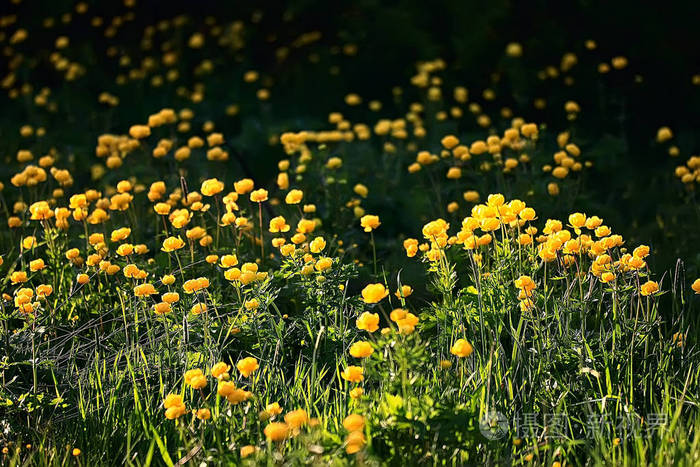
(247, 366)
(370, 222)
(361, 349)
(461, 348)
(374, 293)
(354, 374)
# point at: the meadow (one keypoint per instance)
(375, 233)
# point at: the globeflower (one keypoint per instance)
(258, 196)
(649, 288)
(278, 224)
(374, 293)
(323, 263)
(212, 187)
(354, 442)
(18, 277)
(361, 190)
(296, 418)
(174, 406)
(354, 422)
(317, 245)
(526, 284)
(276, 431)
(361, 349)
(368, 322)
(294, 197)
(404, 291)
(354, 374)
(244, 186)
(162, 308)
(370, 222)
(225, 388)
(247, 366)
(461, 348)
(696, 286)
(220, 371)
(195, 378)
(144, 290)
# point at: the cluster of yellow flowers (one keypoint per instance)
(689, 173)
(567, 248)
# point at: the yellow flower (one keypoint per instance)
(125, 249)
(356, 393)
(247, 366)
(354, 442)
(398, 314)
(354, 422)
(374, 293)
(649, 288)
(296, 418)
(172, 244)
(317, 245)
(175, 412)
(225, 388)
(273, 409)
(361, 190)
(76, 452)
(211, 187)
(144, 290)
(40, 211)
(294, 197)
(244, 186)
(195, 378)
(252, 304)
(607, 277)
(120, 234)
(449, 141)
(44, 290)
(28, 242)
(369, 222)
(248, 450)
(354, 374)
(258, 196)
(577, 220)
(305, 226)
(172, 400)
(368, 321)
(220, 371)
(404, 291)
(229, 261)
(168, 279)
(453, 173)
(461, 348)
(526, 284)
(323, 263)
(204, 414)
(139, 131)
(36, 265)
(162, 308)
(696, 286)
(361, 349)
(664, 134)
(514, 49)
(238, 396)
(642, 251)
(278, 224)
(276, 431)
